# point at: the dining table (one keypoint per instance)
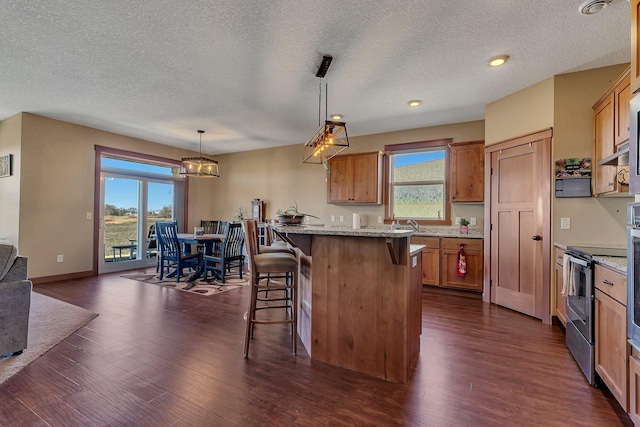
(208, 240)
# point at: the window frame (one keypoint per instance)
(392, 149)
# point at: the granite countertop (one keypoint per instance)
(413, 248)
(433, 231)
(616, 263)
(343, 231)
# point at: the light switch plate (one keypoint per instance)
(457, 220)
(565, 223)
(341, 218)
(333, 218)
(89, 215)
(472, 220)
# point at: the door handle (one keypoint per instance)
(536, 237)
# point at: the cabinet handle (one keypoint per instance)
(536, 237)
(607, 282)
(610, 184)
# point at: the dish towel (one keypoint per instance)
(568, 281)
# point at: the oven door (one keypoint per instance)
(580, 305)
(633, 285)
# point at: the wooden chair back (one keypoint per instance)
(167, 234)
(210, 226)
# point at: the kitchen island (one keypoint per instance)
(360, 297)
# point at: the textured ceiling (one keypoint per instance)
(244, 71)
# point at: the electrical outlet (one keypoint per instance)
(379, 220)
(60, 258)
(89, 215)
(341, 218)
(457, 220)
(333, 218)
(565, 223)
(472, 220)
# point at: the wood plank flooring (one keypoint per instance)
(161, 357)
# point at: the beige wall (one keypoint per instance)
(57, 191)
(10, 131)
(594, 220)
(278, 177)
(524, 112)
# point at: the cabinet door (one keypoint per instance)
(634, 390)
(472, 281)
(635, 46)
(561, 301)
(467, 172)
(365, 178)
(340, 179)
(611, 345)
(604, 146)
(431, 266)
(622, 112)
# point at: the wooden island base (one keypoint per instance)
(358, 310)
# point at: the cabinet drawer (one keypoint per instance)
(611, 283)
(469, 244)
(429, 242)
(558, 255)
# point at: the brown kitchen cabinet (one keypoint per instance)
(635, 46)
(355, 179)
(561, 301)
(610, 131)
(440, 259)
(611, 346)
(634, 387)
(430, 259)
(472, 281)
(466, 172)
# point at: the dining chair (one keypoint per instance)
(230, 254)
(210, 226)
(264, 266)
(171, 253)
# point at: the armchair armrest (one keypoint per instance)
(18, 270)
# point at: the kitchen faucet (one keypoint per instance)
(413, 224)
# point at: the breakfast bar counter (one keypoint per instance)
(360, 297)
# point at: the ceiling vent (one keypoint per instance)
(591, 7)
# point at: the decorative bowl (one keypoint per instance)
(290, 219)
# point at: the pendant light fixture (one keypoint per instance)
(199, 167)
(332, 137)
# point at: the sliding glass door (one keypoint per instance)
(134, 196)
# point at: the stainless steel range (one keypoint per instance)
(580, 305)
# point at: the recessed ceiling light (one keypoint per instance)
(414, 103)
(591, 7)
(336, 116)
(497, 61)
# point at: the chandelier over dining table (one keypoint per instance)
(199, 167)
(332, 136)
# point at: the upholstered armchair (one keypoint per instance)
(15, 301)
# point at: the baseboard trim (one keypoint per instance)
(61, 277)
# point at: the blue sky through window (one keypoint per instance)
(123, 192)
(413, 158)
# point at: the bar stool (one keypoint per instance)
(265, 266)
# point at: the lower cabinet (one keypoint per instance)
(610, 317)
(561, 301)
(634, 389)
(440, 261)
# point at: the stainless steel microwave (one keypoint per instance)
(634, 152)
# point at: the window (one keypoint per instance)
(417, 181)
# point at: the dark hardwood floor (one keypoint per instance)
(161, 357)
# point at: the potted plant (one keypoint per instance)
(464, 226)
(291, 215)
(240, 214)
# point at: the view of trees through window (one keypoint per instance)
(418, 184)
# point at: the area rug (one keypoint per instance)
(210, 287)
(50, 321)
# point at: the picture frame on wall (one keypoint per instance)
(257, 210)
(5, 165)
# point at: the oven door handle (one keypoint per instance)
(578, 261)
(634, 232)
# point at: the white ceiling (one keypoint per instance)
(244, 71)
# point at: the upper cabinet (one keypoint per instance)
(355, 178)
(635, 45)
(467, 172)
(611, 134)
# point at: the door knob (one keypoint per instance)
(536, 237)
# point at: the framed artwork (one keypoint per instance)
(5, 165)
(257, 210)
